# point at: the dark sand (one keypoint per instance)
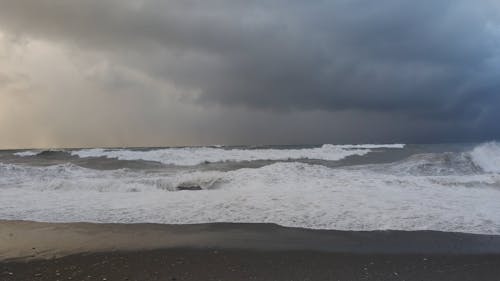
(39, 251)
(192, 264)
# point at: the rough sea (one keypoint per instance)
(444, 187)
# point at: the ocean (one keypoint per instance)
(442, 187)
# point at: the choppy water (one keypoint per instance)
(347, 187)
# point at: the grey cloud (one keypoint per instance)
(14, 82)
(4, 80)
(433, 61)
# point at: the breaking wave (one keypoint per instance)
(484, 158)
(423, 192)
(192, 156)
(27, 153)
(70, 177)
(487, 156)
(32, 153)
(433, 164)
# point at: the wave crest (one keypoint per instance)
(32, 153)
(487, 156)
(191, 156)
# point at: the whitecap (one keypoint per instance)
(191, 156)
(487, 156)
(27, 153)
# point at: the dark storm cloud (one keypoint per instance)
(435, 60)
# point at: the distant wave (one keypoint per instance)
(371, 146)
(191, 156)
(32, 153)
(27, 153)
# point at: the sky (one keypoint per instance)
(97, 73)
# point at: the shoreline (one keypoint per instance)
(27, 240)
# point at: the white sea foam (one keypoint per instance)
(487, 156)
(27, 153)
(30, 153)
(371, 146)
(433, 164)
(289, 194)
(197, 155)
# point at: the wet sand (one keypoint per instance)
(41, 251)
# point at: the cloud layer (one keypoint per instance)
(426, 70)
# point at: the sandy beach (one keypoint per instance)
(83, 251)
